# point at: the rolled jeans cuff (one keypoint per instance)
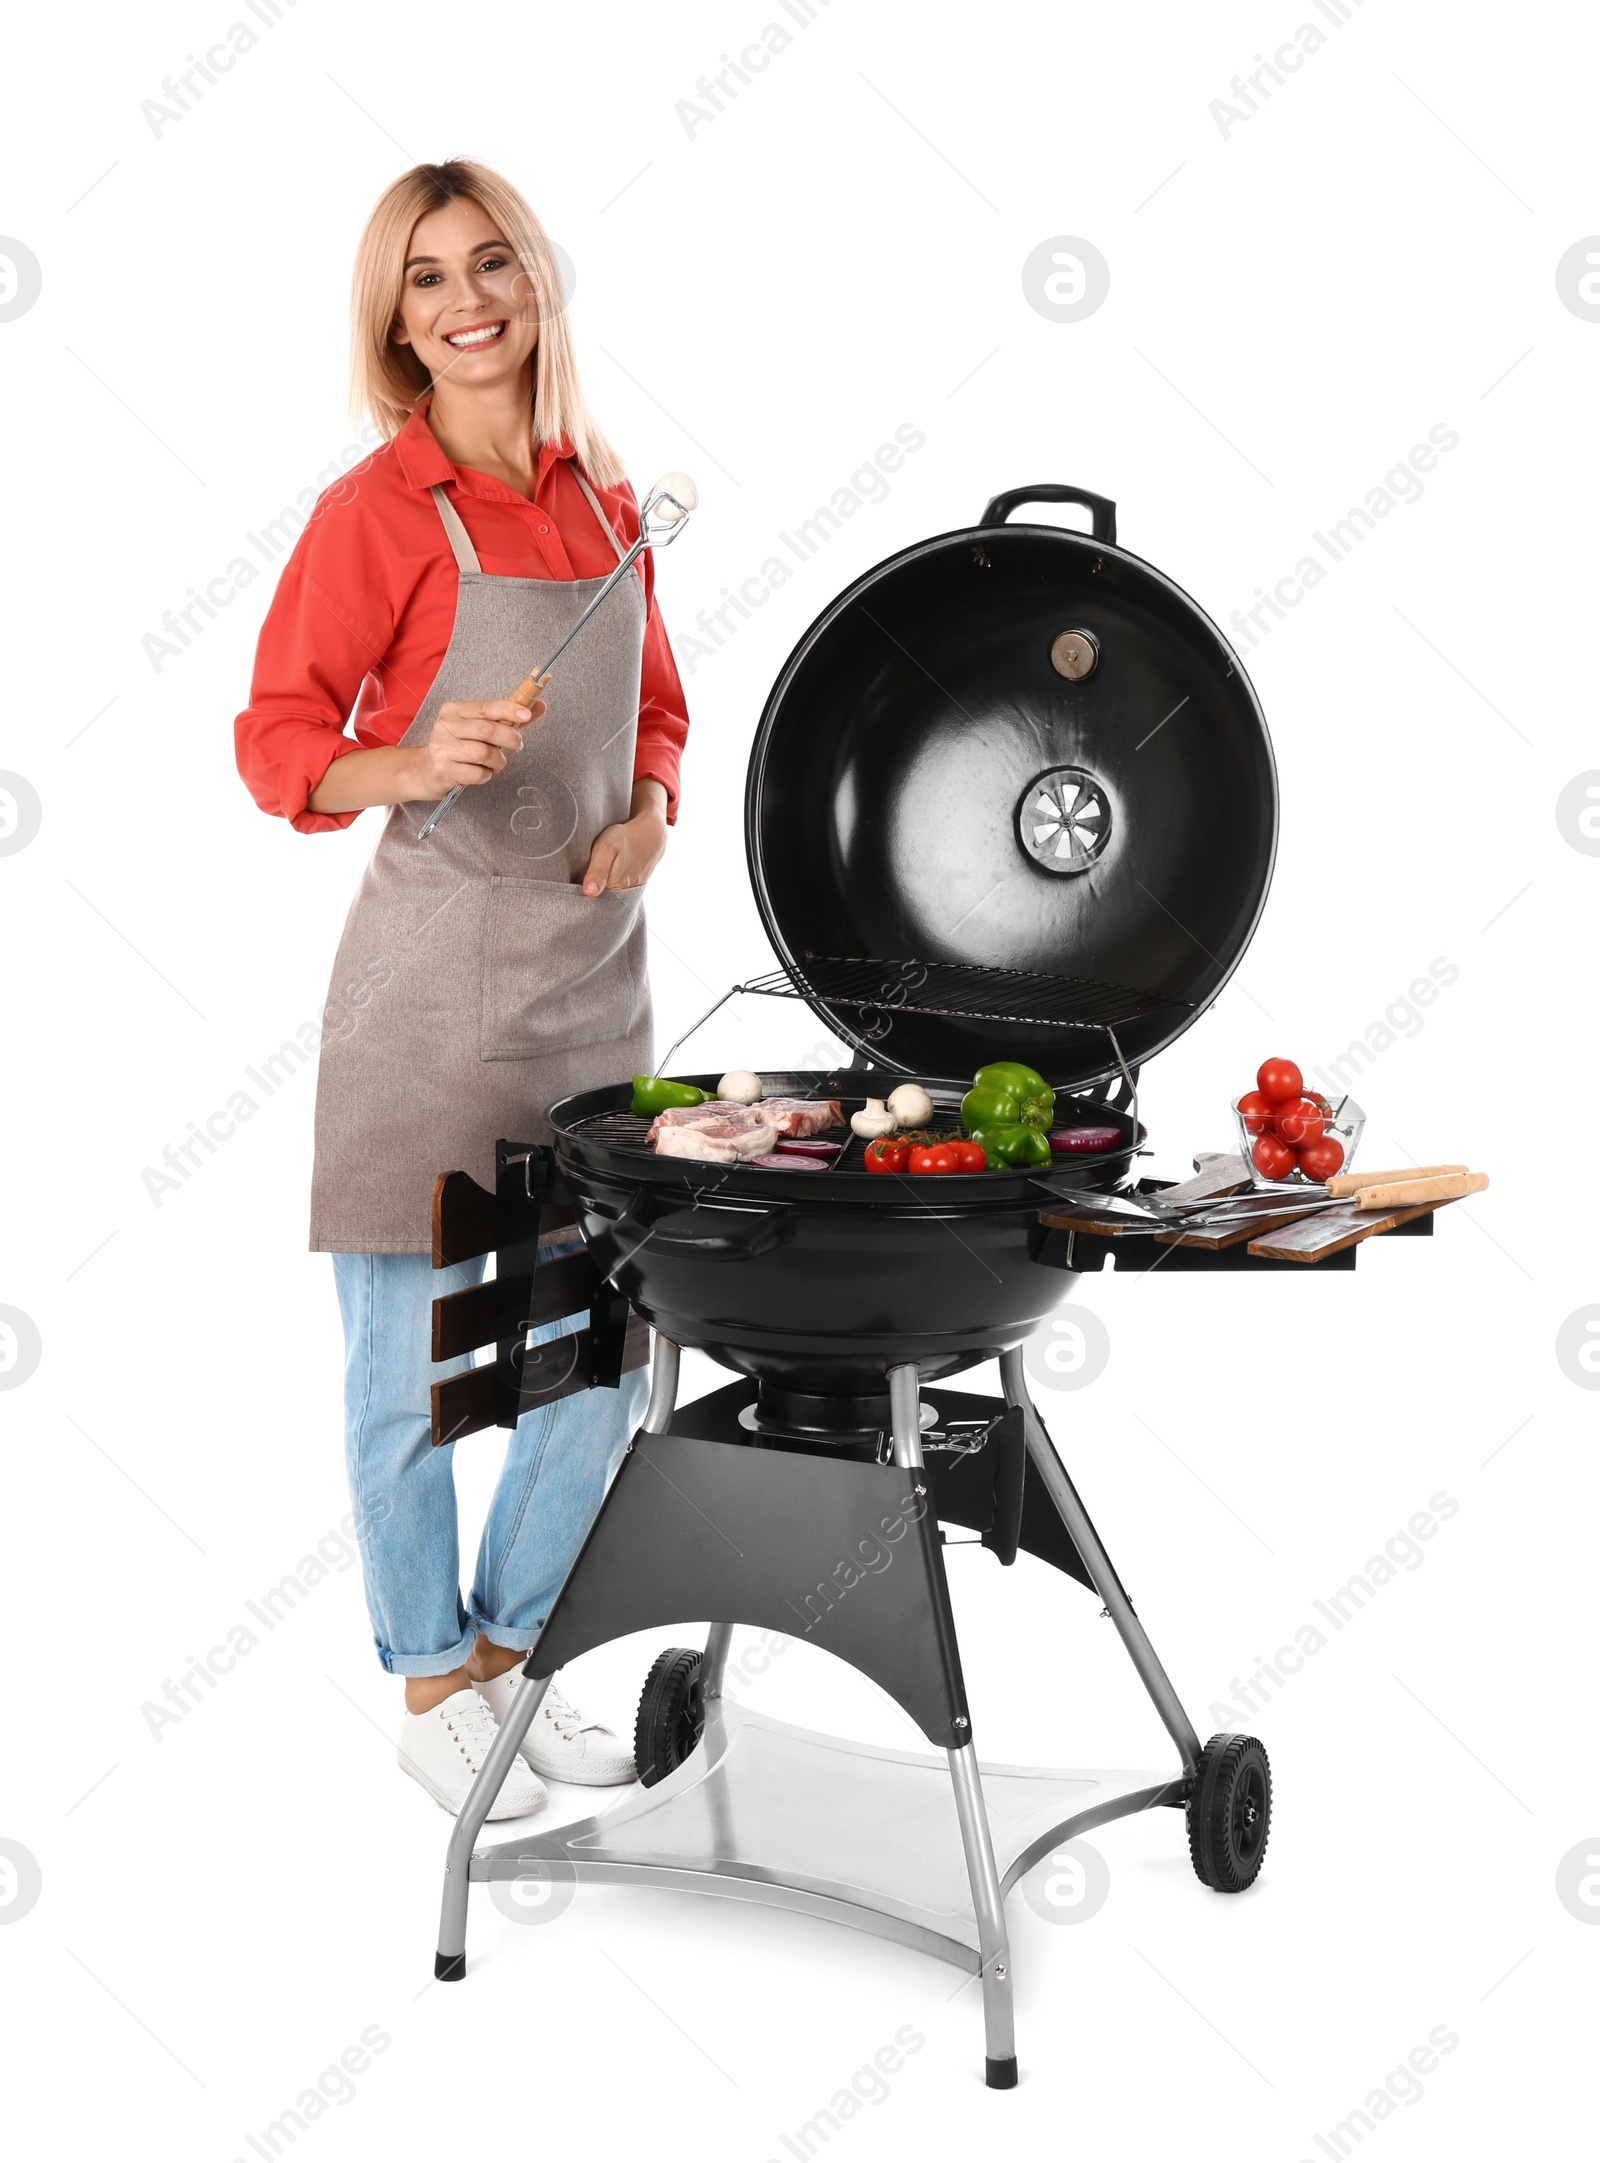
(428, 1663)
(500, 1633)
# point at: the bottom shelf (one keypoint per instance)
(854, 1834)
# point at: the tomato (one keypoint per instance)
(890, 1153)
(940, 1157)
(1300, 1122)
(1320, 1159)
(1256, 1112)
(1279, 1078)
(1271, 1159)
(969, 1156)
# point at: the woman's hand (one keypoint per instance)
(470, 742)
(626, 855)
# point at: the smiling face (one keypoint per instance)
(467, 306)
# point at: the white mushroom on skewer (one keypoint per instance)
(683, 494)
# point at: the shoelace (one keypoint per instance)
(566, 1719)
(563, 1717)
(474, 1730)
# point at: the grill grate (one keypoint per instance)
(963, 991)
(618, 1130)
(626, 1130)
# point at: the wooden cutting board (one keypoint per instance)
(1312, 1239)
(1244, 1226)
(1084, 1220)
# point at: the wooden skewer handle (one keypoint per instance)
(1449, 1187)
(527, 692)
(1343, 1183)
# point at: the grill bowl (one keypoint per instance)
(819, 1281)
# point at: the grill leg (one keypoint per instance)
(999, 2033)
(450, 1962)
(663, 1385)
(988, 1903)
(1042, 1454)
(718, 1639)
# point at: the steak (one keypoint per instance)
(732, 1135)
(794, 1118)
(797, 1117)
(689, 1115)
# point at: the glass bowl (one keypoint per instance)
(1344, 1126)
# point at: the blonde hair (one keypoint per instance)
(388, 380)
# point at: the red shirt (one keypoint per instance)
(365, 605)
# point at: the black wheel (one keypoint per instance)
(1230, 1812)
(671, 1715)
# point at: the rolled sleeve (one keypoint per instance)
(663, 710)
(312, 658)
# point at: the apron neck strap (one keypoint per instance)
(460, 542)
(606, 526)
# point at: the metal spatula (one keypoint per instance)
(668, 503)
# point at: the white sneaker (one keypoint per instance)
(443, 1750)
(561, 1743)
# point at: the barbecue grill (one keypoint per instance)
(1011, 796)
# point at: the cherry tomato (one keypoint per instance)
(940, 1157)
(1277, 1079)
(890, 1153)
(1320, 1159)
(1301, 1122)
(1256, 1112)
(969, 1156)
(1271, 1159)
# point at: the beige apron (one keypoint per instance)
(476, 982)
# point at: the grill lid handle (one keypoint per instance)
(1104, 512)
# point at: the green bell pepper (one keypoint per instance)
(1008, 1094)
(651, 1094)
(1010, 1147)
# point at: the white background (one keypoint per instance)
(1293, 304)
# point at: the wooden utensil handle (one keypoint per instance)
(528, 690)
(1343, 1183)
(1403, 1193)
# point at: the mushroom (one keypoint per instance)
(739, 1087)
(678, 490)
(911, 1105)
(874, 1122)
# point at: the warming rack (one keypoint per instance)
(958, 990)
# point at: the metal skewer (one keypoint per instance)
(669, 502)
(1196, 1216)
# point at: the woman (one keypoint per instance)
(498, 965)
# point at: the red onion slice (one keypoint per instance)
(1083, 1141)
(791, 1161)
(807, 1147)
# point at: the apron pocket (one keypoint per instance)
(559, 967)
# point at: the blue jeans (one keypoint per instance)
(558, 1465)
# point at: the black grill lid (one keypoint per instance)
(1011, 796)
